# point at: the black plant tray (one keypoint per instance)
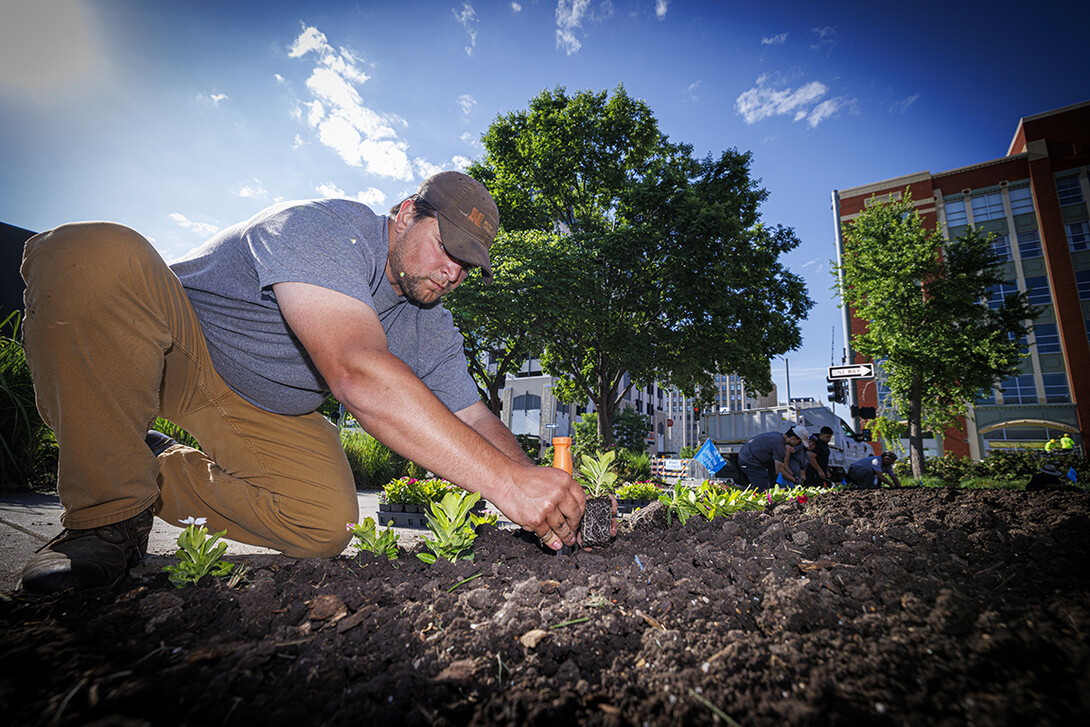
(409, 516)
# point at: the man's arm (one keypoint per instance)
(817, 467)
(347, 344)
(478, 417)
(783, 466)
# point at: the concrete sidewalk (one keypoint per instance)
(29, 520)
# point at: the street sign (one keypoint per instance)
(858, 371)
(551, 426)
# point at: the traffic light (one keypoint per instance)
(838, 391)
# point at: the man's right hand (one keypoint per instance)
(546, 501)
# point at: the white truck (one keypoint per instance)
(730, 430)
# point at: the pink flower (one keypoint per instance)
(803, 499)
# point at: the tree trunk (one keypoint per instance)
(605, 421)
(915, 428)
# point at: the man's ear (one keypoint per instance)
(404, 216)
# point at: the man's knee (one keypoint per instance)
(80, 259)
(322, 534)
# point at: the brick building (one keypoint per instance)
(1035, 201)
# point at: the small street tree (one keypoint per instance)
(933, 321)
(668, 273)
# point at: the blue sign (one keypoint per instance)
(709, 456)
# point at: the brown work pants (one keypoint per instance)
(112, 342)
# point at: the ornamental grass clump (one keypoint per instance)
(198, 555)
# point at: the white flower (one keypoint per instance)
(193, 521)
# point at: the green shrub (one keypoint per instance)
(175, 432)
(633, 466)
(28, 451)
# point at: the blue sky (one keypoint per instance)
(181, 118)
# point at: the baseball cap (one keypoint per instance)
(467, 215)
(801, 432)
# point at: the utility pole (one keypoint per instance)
(845, 311)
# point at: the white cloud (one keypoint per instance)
(472, 139)
(467, 103)
(775, 39)
(690, 92)
(827, 37)
(569, 16)
(371, 196)
(516, 7)
(425, 169)
(901, 106)
(806, 103)
(280, 79)
(660, 8)
(466, 17)
(359, 135)
(255, 191)
(201, 228)
(297, 142)
(460, 162)
(213, 99)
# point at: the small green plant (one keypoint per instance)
(680, 502)
(366, 536)
(598, 474)
(198, 555)
(638, 491)
(28, 451)
(449, 520)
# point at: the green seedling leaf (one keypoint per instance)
(569, 623)
(464, 581)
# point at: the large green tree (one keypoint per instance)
(506, 323)
(925, 300)
(668, 273)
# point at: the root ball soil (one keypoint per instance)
(918, 606)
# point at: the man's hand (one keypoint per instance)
(546, 501)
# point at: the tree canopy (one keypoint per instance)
(933, 321)
(662, 268)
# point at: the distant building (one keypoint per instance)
(529, 407)
(1035, 201)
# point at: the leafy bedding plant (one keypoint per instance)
(453, 525)
(598, 478)
(366, 536)
(413, 491)
(711, 500)
(645, 490)
(199, 556)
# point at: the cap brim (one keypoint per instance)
(464, 246)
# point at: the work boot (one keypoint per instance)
(158, 442)
(90, 558)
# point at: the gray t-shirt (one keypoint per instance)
(333, 243)
(762, 450)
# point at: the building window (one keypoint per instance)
(999, 292)
(1069, 190)
(526, 402)
(1048, 337)
(1001, 244)
(987, 400)
(987, 206)
(1056, 388)
(1037, 290)
(1078, 236)
(1019, 390)
(955, 213)
(1021, 201)
(1029, 244)
(1082, 280)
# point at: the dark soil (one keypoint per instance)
(913, 607)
